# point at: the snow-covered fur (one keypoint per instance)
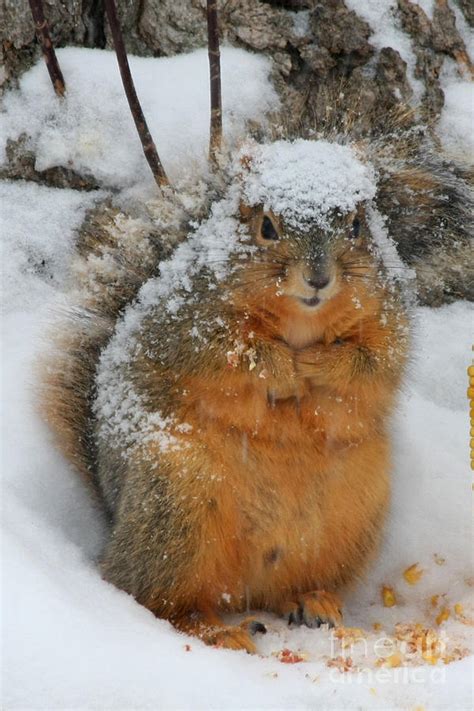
(116, 254)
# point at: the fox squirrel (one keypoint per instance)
(231, 404)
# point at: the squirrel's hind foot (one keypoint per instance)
(231, 638)
(314, 609)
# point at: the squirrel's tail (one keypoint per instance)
(115, 255)
(427, 198)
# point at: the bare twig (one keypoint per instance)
(149, 148)
(44, 38)
(215, 141)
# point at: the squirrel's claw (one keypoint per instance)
(256, 627)
(315, 609)
(291, 611)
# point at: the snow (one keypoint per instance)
(466, 32)
(301, 20)
(29, 251)
(304, 181)
(92, 130)
(72, 641)
(381, 16)
(456, 123)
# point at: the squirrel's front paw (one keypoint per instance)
(308, 361)
(314, 609)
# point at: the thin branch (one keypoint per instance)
(149, 148)
(215, 141)
(44, 38)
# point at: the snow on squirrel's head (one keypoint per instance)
(303, 204)
(305, 182)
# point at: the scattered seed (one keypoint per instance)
(388, 596)
(413, 574)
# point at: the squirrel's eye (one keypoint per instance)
(268, 230)
(356, 227)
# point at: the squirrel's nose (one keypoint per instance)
(317, 281)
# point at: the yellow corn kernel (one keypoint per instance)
(377, 626)
(470, 371)
(430, 658)
(458, 609)
(388, 596)
(443, 616)
(394, 660)
(413, 574)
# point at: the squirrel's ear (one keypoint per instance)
(246, 212)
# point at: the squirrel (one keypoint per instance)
(229, 394)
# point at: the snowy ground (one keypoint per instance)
(71, 641)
